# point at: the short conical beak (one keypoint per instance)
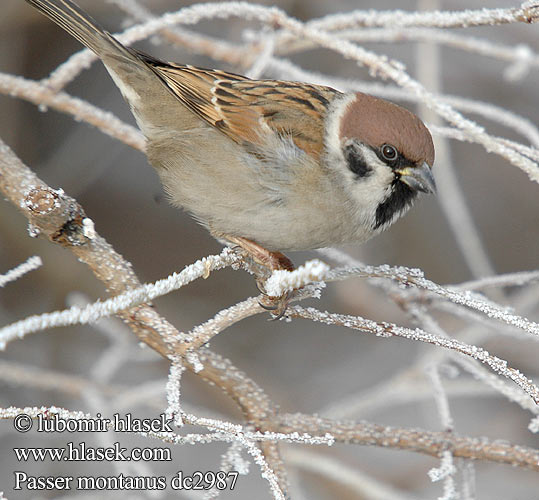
(419, 178)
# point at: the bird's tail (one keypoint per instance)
(80, 25)
(150, 99)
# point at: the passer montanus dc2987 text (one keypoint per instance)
(266, 164)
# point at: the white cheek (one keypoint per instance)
(365, 194)
(369, 191)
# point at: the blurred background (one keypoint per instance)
(304, 367)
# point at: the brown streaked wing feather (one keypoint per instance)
(244, 109)
(289, 109)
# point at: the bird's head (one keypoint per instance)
(383, 154)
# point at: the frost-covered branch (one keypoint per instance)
(382, 329)
(528, 12)
(413, 277)
(521, 55)
(44, 97)
(421, 441)
(76, 315)
(31, 264)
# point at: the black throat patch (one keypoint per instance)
(400, 199)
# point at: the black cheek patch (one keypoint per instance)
(400, 198)
(356, 161)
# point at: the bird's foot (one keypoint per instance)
(266, 261)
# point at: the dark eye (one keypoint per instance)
(389, 152)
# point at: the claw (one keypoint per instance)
(266, 307)
(261, 288)
(279, 306)
(279, 316)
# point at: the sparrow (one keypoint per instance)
(268, 165)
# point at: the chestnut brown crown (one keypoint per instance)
(376, 122)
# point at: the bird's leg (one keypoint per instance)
(272, 260)
(269, 261)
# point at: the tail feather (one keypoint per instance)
(81, 26)
(149, 97)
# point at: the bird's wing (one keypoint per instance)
(246, 110)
